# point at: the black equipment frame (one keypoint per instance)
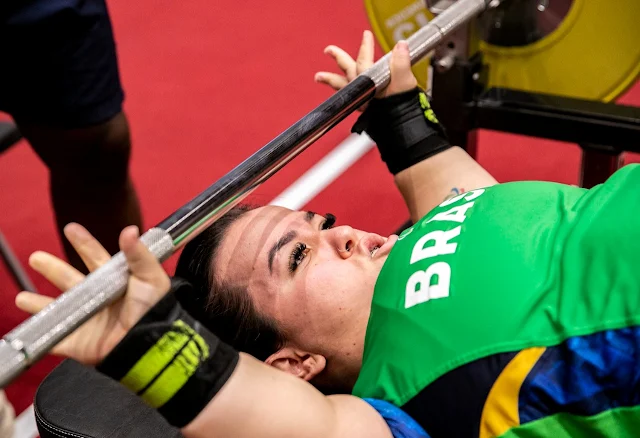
(603, 130)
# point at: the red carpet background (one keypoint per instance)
(207, 84)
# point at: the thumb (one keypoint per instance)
(142, 264)
(402, 78)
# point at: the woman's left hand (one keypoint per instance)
(402, 78)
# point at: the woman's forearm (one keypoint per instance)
(426, 184)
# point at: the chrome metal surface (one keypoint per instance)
(438, 6)
(517, 23)
(428, 37)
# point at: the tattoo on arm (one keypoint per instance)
(455, 191)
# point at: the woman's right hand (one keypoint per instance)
(148, 283)
(402, 78)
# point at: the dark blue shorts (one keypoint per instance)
(58, 64)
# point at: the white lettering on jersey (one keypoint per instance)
(441, 246)
(456, 214)
(405, 233)
(419, 288)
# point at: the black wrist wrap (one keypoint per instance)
(404, 128)
(171, 361)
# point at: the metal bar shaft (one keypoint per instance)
(208, 206)
(40, 333)
(14, 266)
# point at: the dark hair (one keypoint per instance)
(225, 309)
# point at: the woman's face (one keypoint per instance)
(316, 280)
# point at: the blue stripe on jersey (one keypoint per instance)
(400, 423)
(584, 376)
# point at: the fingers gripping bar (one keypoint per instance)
(39, 334)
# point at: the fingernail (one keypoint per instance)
(34, 258)
(76, 230)
(136, 230)
(69, 227)
(318, 77)
(403, 46)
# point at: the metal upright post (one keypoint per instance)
(598, 164)
(456, 78)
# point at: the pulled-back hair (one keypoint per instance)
(225, 309)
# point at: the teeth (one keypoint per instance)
(374, 251)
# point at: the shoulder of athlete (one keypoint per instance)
(355, 418)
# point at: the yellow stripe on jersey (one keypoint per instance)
(500, 412)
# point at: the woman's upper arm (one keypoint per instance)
(357, 418)
(259, 400)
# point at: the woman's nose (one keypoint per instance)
(343, 239)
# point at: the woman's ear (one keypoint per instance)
(297, 362)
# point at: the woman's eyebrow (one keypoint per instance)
(309, 215)
(279, 244)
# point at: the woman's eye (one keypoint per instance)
(297, 256)
(329, 221)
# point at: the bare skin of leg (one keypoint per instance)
(89, 179)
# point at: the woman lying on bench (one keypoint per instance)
(510, 310)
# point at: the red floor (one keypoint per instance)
(208, 83)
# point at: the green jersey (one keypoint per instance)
(512, 268)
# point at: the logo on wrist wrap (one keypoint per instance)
(426, 108)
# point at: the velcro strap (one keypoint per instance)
(411, 130)
(171, 361)
(404, 128)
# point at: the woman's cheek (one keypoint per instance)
(324, 279)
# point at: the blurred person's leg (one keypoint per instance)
(62, 87)
(89, 178)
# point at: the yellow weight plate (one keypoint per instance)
(593, 54)
(392, 21)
